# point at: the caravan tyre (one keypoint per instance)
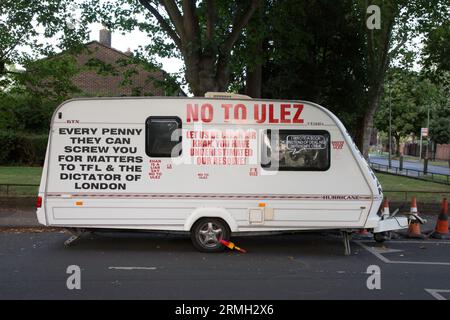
(382, 236)
(207, 233)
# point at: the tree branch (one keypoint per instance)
(402, 42)
(190, 20)
(12, 72)
(171, 32)
(175, 15)
(239, 24)
(211, 16)
(13, 45)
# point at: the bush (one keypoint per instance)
(25, 112)
(21, 148)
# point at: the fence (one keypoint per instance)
(425, 196)
(436, 152)
(412, 173)
(443, 152)
(12, 189)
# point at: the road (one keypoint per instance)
(410, 165)
(152, 266)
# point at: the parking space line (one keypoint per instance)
(386, 260)
(411, 241)
(132, 268)
(435, 293)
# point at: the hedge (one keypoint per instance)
(22, 148)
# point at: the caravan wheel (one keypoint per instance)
(207, 233)
(382, 236)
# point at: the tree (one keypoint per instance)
(436, 53)
(440, 130)
(412, 97)
(22, 21)
(440, 115)
(404, 97)
(400, 21)
(314, 53)
(203, 33)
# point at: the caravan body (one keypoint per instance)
(166, 163)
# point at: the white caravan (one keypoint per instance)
(213, 166)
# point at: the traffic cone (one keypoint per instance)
(363, 234)
(414, 206)
(386, 211)
(441, 230)
(414, 224)
(232, 246)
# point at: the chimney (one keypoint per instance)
(105, 37)
(128, 52)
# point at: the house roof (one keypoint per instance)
(90, 82)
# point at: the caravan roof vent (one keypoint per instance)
(226, 95)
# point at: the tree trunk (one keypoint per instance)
(204, 75)
(397, 145)
(253, 84)
(365, 129)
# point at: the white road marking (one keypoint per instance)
(436, 295)
(377, 254)
(132, 268)
(382, 250)
(411, 241)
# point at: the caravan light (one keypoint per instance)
(39, 202)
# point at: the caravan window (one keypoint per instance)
(296, 150)
(163, 137)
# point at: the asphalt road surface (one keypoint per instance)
(410, 165)
(151, 266)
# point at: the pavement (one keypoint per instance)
(18, 217)
(124, 265)
(410, 165)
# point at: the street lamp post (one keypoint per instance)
(390, 128)
(428, 135)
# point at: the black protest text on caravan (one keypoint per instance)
(100, 158)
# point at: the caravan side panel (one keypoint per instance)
(102, 173)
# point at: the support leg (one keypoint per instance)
(347, 236)
(75, 236)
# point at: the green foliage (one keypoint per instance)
(315, 53)
(440, 130)
(24, 112)
(436, 53)
(23, 149)
(22, 22)
(50, 78)
(412, 96)
(440, 115)
(404, 94)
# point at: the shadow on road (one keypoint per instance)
(310, 244)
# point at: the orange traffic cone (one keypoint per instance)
(441, 230)
(414, 224)
(232, 246)
(363, 234)
(386, 211)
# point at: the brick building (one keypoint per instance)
(105, 71)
